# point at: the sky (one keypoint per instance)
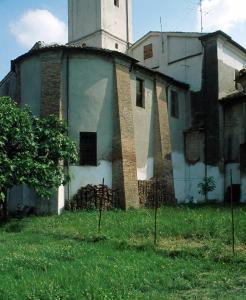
(23, 22)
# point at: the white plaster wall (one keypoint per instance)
(235, 168)
(187, 177)
(82, 176)
(230, 55)
(84, 17)
(243, 189)
(31, 84)
(138, 51)
(143, 119)
(61, 199)
(114, 19)
(94, 40)
(178, 47)
(108, 42)
(91, 95)
(96, 16)
(146, 172)
(188, 71)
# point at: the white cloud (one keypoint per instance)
(38, 25)
(223, 14)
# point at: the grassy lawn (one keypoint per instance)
(65, 258)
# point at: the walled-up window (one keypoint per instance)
(88, 148)
(117, 3)
(139, 92)
(174, 104)
(148, 51)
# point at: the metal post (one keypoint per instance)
(100, 207)
(232, 218)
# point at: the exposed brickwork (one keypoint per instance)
(51, 100)
(162, 153)
(124, 152)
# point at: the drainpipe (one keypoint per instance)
(204, 96)
(67, 115)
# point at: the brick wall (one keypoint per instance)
(51, 100)
(124, 152)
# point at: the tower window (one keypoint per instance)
(117, 3)
(116, 46)
(148, 51)
(88, 148)
(139, 92)
(174, 104)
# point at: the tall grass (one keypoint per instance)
(63, 257)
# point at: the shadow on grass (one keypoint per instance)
(14, 227)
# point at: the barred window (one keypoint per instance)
(88, 148)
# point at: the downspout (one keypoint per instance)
(67, 116)
(127, 24)
(204, 97)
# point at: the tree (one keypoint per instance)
(208, 184)
(32, 150)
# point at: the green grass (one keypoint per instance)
(63, 257)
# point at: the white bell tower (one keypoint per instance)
(100, 23)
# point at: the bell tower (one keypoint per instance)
(100, 23)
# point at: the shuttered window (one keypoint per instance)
(88, 148)
(148, 51)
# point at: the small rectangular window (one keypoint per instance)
(148, 51)
(174, 104)
(117, 3)
(88, 148)
(237, 85)
(139, 92)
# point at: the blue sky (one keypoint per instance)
(25, 21)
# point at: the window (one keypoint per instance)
(116, 46)
(88, 148)
(237, 85)
(148, 51)
(117, 3)
(174, 104)
(139, 92)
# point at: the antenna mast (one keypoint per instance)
(162, 40)
(201, 15)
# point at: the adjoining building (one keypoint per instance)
(209, 63)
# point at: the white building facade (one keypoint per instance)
(100, 23)
(209, 64)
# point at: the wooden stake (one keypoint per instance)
(232, 218)
(100, 208)
(156, 208)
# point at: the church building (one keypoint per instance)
(115, 108)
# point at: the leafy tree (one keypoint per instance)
(207, 185)
(32, 150)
